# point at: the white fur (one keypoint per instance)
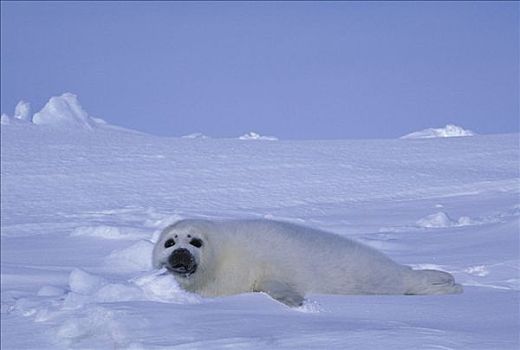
(287, 261)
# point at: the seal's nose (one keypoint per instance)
(181, 258)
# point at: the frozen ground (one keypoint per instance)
(80, 209)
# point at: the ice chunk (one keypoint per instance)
(466, 221)
(440, 219)
(82, 282)
(5, 120)
(23, 111)
(254, 136)
(161, 286)
(449, 130)
(64, 111)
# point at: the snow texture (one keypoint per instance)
(449, 130)
(81, 208)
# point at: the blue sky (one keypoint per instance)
(295, 70)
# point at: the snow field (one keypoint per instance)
(81, 210)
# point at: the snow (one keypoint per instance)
(22, 114)
(134, 258)
(81, 208)
(110, 232)
(84, 283)
(64, 111)
(442, 220)
(449, 130)
(5, 120)
(254, 136)
(23, 111)
(196, 135)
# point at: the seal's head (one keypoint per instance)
(179, 249)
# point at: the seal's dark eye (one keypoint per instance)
(169, 243)
(197, 243)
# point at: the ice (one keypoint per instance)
(438, 220)
(449, 130)
(82, 282)
(5, 120)
(23, 111)
(81, 209)
(254, 136)
(22, 114)
(161, 286)
(480, 270)
(442, 220)
(64, 111)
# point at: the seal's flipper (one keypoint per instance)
(433, 282)
(281, 292)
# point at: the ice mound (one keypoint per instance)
(449, 130)
(161, 286)
(5, 120)
(22, 114)
(23, 111)
(479, 270)
(441, 220)
(64, 111)
(110, 232)
(86, 288)
(254, 136)
(61, 112)
(82, 282)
